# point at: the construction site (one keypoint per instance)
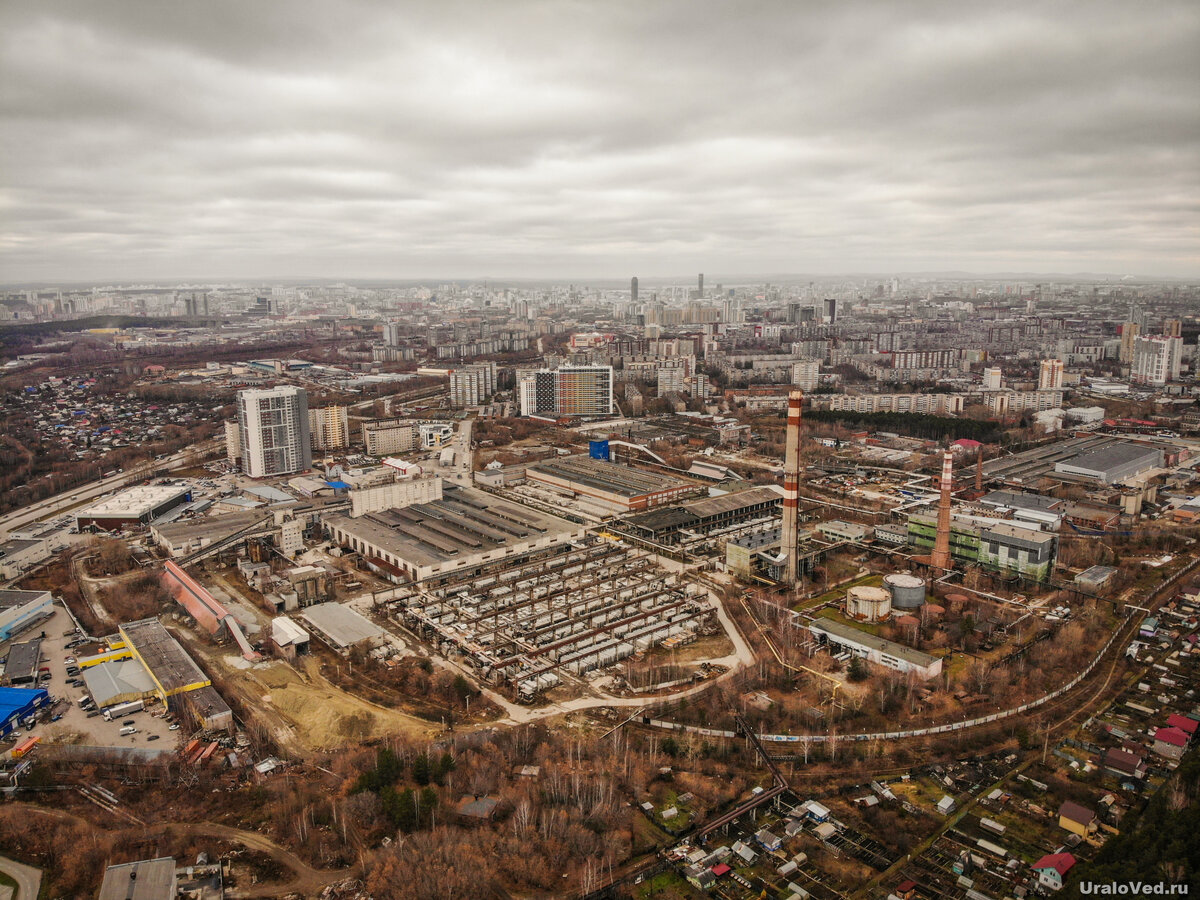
(529, 623)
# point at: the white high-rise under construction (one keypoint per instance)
(274, 431)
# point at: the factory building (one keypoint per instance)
(465, 529)
(1112, 463)
(341, 627)
(995, 545)
(147, 879)
(20, 610)
(668, 526)
(133, 506)
(612, 487)
(874, 649)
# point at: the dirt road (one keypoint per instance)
(305, 880)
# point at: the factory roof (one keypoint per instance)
(1020, 500)
(339, 624)
(865, 639)
(23, 659)
(147, 879)
(9, 599)
(167, 661)
(1016, 532)
(274, 495)
(112, 680)
(724, 503)
(208, 528)
(1113, 456)
(284, 631)
(607, 476)
(134, 502)
(16, 545)
(463, 522)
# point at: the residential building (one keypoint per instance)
(568, 391)
(472, 385)
(385, 437)
(1129, 332)
(928, 404)
(329, 428)
(274, 431)
(1050, 375)
(1076, 819)
(1156, 359)
(1052, 869)
(806, 374)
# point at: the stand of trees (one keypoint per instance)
(933, 428)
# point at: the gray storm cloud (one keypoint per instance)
(153, 140)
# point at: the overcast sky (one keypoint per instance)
(207, 140)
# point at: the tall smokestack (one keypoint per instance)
(979, 471)
(791, 488)
(941, 545)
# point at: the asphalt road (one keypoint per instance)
(50, 506)
(28, 879)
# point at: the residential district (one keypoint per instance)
(836, 589)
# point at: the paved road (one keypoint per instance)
(28, 879)
(50, 506)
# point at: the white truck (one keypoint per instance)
(124, 709)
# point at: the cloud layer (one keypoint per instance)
(575, 139)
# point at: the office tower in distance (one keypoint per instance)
(273, 427)
(1050, 375)
(830, 309)
(633, 290)
(1173, 328)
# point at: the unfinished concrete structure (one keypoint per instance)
(576, 608)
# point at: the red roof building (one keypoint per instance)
(1183, 723)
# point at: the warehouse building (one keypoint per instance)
(21, 554)
(20, 610)
(1113, 463)
(189, 535)
(16, 703)
(147, 879)
(133, 506)
(118, 681)
(614, 488)
(21, 666)
(339, 626)
(875, 649)
(467, 528)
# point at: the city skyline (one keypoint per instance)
(554, 141)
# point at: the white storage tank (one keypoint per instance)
(869, 604)
(907, 591)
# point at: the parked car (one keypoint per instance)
(153, 737)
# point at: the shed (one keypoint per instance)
(946, 805)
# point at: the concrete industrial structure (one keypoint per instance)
(790, 533)
(147, 879)
(993, 544)
(273, 427)
(670, 525)
(466, 528)
(867, 603)
(578, 607)
(907, 591)
(874, 649)
(139, 505)
(940, 558)
(341, 627)
(611, 487)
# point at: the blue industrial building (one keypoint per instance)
(16, 703)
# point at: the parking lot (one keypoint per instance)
(74, 720)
